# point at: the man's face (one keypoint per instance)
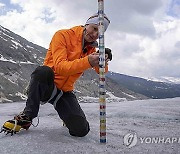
(91, 33)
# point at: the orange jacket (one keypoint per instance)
(66, 58)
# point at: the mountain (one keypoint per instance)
(18, 59)
(146, 87)
(88, 86)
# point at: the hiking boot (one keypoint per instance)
(20, 121)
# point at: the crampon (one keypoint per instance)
(12, 128)
(8, 131)
(19, 122)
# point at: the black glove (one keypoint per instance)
(108, 52)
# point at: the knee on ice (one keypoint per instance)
(78, 126)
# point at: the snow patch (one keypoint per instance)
(113, 98)
(24, 48)
(8, 36)
(4, 29)
(77, 91)
(34, 55)
(7, 60)
(30, 47)
(3, 38)
(3, 98)
(110, 99)
(172, 80)
(23, 97)
(28, 62)
(16, 44)
(13, 77)
(15, 62)
(128, 95)
(160, 87)
(88, 99)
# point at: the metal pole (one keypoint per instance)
(102, 90)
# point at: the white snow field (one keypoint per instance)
(154, 127)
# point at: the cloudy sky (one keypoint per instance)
(144, 35)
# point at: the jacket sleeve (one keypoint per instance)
(61, 63)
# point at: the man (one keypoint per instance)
(71, 52)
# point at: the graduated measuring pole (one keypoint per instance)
(102, 90)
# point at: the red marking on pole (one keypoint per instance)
(102, 133)
(102, 107)
(102, 79)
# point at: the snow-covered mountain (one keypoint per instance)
(19, 57)
(148, 87)
(133, 127)
(172, 80)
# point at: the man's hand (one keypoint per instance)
(94, 59)
(106, 59)
(107, 52)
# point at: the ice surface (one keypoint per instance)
(146, 118)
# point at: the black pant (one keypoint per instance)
(68, 108)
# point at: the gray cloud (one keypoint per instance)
(133, 16)
(177, 45)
